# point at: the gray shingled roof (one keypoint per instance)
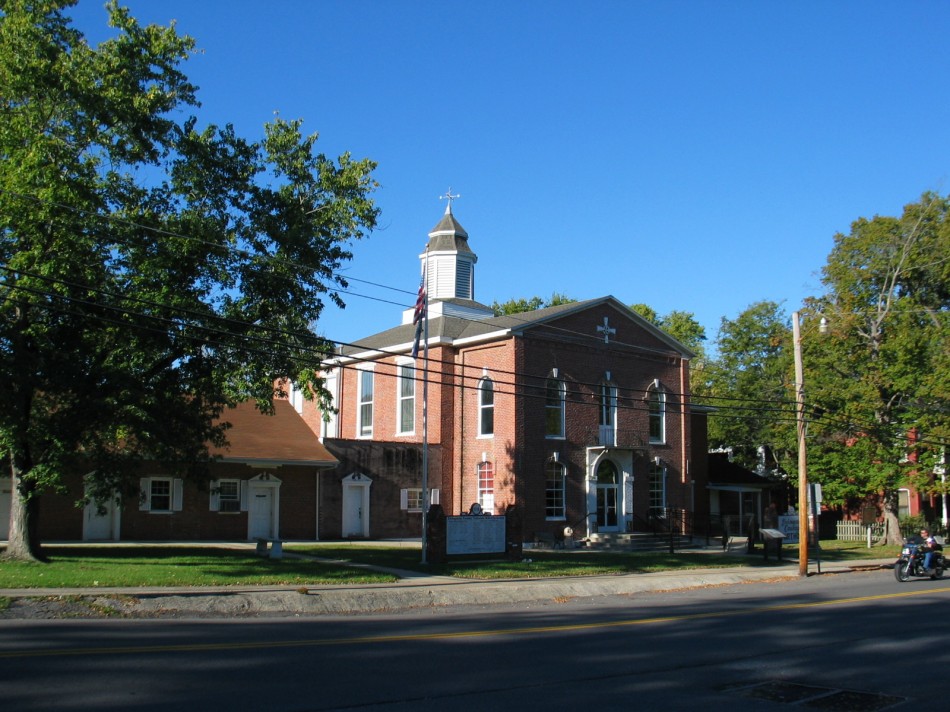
(449, 328)
(456, 241)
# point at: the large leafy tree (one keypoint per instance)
(151, 270)
(879, 377)
(749, 385)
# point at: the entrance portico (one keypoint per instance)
(609, 489)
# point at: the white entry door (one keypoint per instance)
(100, 527)
(353, 514)
(356, 505)
(261, 512)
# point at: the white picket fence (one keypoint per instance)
(855, 531)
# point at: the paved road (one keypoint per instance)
(835, 642)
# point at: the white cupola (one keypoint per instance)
(449, 266)
(451, 262)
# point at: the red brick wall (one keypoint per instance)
(497, 362)
(61, 520)
(582, 362)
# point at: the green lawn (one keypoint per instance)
(80, 566)
(343, 563)
(548, 563)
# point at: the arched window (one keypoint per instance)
(607, 473)
(486, 487)
(486, 407)
(554, 407)
(657, 408)
(555, 477)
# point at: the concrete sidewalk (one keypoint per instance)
(414, 591)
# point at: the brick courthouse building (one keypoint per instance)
(577, 413)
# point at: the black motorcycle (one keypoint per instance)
(911, 561)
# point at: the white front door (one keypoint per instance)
(100, 527)
(356, 505)
(261, 512)
(353, 514)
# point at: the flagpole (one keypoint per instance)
(425, 404)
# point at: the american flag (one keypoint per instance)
(419, 315)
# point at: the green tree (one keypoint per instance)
(152, 271)
(749, 384)
(879, 377)
(519, 306)
(683, 327)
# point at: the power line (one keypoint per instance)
(526, 320)
(579, 397)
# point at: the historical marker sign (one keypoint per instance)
(475, 535)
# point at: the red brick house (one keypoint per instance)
(265, 484)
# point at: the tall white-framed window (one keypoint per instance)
(295, 396)
(406, 399)
(903, 503)
(608, 412)
(554, 397)
(486, 487)
(365, 424)
(657, 409)
(554, 488)
(330, 424)
(486, 407)
(657, 489)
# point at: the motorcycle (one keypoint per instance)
(911, 562)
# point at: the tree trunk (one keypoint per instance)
(23, 542)
(892, 525)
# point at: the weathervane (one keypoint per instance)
(449, 197)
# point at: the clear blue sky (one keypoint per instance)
(697, 156)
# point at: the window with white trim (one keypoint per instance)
(413, 501)
(608, 413)
(486, 407)
(486, 487)
(903, 503)
(160, 494)
(330, 422)
(365, 424)
(227, 496)
(295, 396)
(410, 499)
(406, 399)
(554, 490)
(657, 489)
(657, 409)
(554, 397)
